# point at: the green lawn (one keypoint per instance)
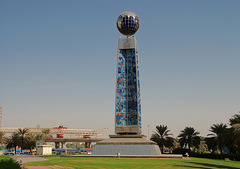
(132, 163)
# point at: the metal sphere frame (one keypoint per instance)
(128, 23)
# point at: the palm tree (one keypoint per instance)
(235, 119)
(236, 134)
(232, 135)
(46, 135)
(176, 143)
(38, 137)
(202, 146)
(10, 144)
(162, 137)
(13, 142)
(30, 142)
(235, 128)
(211, 143)
(22, 133)
(218, 131)
(189, 138)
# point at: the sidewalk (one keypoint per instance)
(29, 158)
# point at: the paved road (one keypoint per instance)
(28, 158)
(46, 167)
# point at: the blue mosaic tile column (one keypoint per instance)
(128, 102)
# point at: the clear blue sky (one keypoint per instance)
(58, 62)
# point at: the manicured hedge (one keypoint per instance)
(183, 151)
(232, 157)
(7, 162)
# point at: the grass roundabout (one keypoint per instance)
(133, 163)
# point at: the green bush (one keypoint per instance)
(7, 162)
(214, 155)
(182, 151)
(232, 157)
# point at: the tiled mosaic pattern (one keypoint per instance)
(139, 98)
(128, 103)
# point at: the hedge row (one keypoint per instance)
(233, 157)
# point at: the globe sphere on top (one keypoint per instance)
(128, 23)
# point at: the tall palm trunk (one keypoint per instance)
(189, 146)
(21, 143)
(22, 132)
(221, 151)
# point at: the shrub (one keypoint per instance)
(232, 157)
(7, 162)
(215, 155)
(182, 151)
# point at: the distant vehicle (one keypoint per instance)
(27, 153)
(19, 153)
(8, 153)
(60, 153)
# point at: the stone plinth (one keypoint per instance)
(126, 145)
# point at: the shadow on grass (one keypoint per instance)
(189, 166)
(205, 166)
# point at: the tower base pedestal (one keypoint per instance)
(126, 145)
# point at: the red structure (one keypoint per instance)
(60, 127)
(87, 136)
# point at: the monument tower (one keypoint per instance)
(128, 102)
(128, 139)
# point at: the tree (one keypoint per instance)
(176, 143)
(2, 139)
(211, 143)
(236, 134)
(235, 123)
(162, 137)
(13, 142)
(218, 131)
(235, 119)
(38, 137)
(233, 133)
(30, 142)
(202, 146)
(46, 135)
(228, 140)
(22, 133)
(189, 138)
